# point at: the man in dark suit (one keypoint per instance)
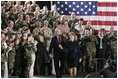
(57, 45)
(101, 49)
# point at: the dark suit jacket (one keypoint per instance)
(104, 43)
(54, 45)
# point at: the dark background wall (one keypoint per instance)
(43, 3)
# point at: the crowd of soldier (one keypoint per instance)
(26, 32)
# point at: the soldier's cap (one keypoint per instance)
(81, 19)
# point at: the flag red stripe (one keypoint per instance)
(107, 4)
(104, 23)
(100, 13)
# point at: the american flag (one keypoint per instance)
(101, 14)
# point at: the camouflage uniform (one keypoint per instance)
(46, 32)
(26, 61)
(78, 31)
(30, 25)
(53, 22)
(30, 14)
(12, 16)
(89, 44)
(10, 31)
(71, 23)
(33, 20)
(46, 16)
(11, 61)
(112, 46)
(18, 24)
(4, 58)
(8, 55)
(75, 31)
(36, 32)
(91, 29)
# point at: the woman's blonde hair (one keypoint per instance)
(71, 33)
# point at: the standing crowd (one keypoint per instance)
(38, 41)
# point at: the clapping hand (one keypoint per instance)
(80, 60)
(60, 46)
(35, 42)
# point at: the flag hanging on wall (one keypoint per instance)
(101, 14)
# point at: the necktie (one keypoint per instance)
(101, 42)
(59, 39)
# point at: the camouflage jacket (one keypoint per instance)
(89, 42)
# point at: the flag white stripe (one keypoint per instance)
(107, 9)
(98, 18)
(98, 27)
